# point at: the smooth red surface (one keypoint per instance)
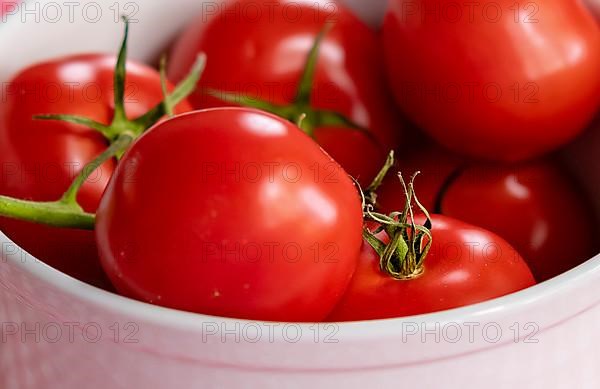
(39, 159)
(434, 165)
(535, 206)
(259, 49)
(494, 86)
(188, 232)
(594, 6)
(466, 265)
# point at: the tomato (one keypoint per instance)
(498, 80)
(528, 204)
(258, 50)
(39, 159)
(466, 265)
(231, 212)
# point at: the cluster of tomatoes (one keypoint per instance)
(262, 186)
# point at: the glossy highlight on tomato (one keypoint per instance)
(246, 218)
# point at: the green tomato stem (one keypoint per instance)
(119, 78)
(181, 91)
(101, 128)
(315, 118)
(371, 192)
(307, 80)
(55, 214)
(66, 212)
(163, 84)
(118, 146)
(120, 123)
(403, 257)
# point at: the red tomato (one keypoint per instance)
(528, 204)
(466, 265)
(499, 80)
(245, 218)
(259, 49)
(39, 159)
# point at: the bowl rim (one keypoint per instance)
(190, 321)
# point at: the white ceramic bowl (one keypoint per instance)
(57, 332)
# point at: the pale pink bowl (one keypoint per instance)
(543, 337)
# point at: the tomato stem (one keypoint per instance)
(119, 78)
(301, 105)
(305, 87)
(163, 84)
(181, 91)
(101, 128)
(301, 120)
(120, 123)
(55, 214)
(403, 257)
(120, 144)
(66, 212)
(371, 192)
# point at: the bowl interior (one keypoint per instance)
(153, 27)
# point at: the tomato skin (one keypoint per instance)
(528, 204)
(466, 265)
(175, 231)
(434, 165)
(40, 159)
(264, 58)
(552, 64)
(594, 7)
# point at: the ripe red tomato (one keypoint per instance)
(466, 265)
(499, 80)
(259, 49)
(231, 212)
(39, 159)
(528, 204)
